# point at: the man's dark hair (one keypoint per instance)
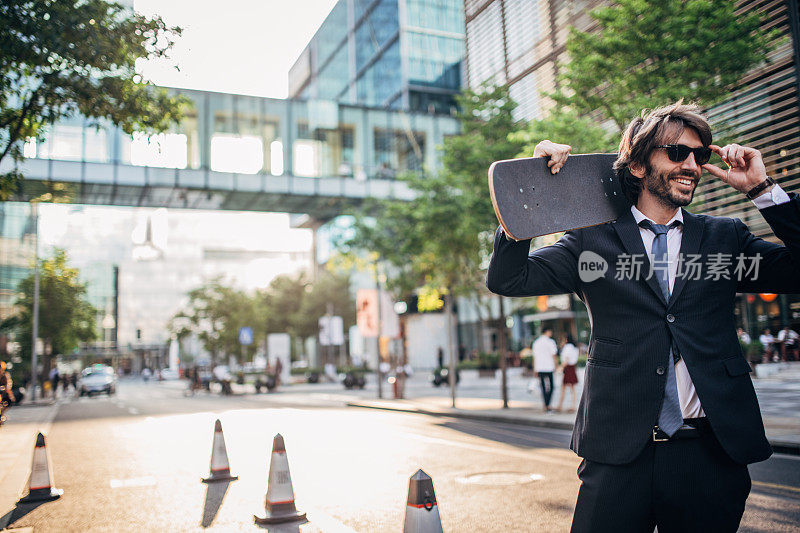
(663, 125)
(545, 330)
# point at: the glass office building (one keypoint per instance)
(521, 42)
(17, 251)
(398, 54)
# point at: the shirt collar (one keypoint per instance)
(639, 216)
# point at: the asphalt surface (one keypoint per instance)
(133, 462)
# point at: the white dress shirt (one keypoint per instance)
(690, 403)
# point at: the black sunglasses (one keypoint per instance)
(678, 153)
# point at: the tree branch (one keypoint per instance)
(13, 136)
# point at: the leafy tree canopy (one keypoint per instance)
(59, 58)
(645, 54)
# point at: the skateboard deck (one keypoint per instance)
(530, 201)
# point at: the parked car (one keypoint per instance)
(97, 379)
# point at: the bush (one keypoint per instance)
(467, 364)
(488, 361)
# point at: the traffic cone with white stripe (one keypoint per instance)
(422, 512)
(280, 495)
(40, 483)
(220, 469)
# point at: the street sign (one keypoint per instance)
(367, 312)
(331, 331)
(246, 336)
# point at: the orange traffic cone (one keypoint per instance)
(40, 483)
(422, 512)
(220, 469)
(280, 495)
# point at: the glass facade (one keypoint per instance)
(250, 153)
(17, 251)
(395, 54)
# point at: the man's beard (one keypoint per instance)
(658, 184)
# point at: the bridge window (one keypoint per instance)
(242, 154)
(167, 150)
(306, 158)
(276, 158)
(63, 142)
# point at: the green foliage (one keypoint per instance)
(215, 313)
(488, 361)
(645, 54)
(330, 292)
(66, 318)
(77, 56)
(290, 304)
(565, 125)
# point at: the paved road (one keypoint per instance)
(134, 462)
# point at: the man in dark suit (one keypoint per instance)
(669, 419)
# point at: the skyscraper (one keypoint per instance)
(400, 54)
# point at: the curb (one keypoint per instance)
(778, 446)
(552, 424)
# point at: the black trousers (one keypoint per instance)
(546, 381)
(688, 485)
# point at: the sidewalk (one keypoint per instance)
(778, 394)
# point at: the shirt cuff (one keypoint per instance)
(775, 197)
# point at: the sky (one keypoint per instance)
(235, 46)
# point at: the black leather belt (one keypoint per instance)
(692, 428)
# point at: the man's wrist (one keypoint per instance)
(760, 188)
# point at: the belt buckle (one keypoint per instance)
(655, 438)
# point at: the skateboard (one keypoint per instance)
(530, 201)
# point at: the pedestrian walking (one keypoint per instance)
(743, 336)
(545, 361)
(569, 366)
(654, 454)
(146, 374)
(54, 377)
(789, 339)
(768, 342)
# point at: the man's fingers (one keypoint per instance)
(716, 171)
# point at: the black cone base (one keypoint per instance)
(43, 496)
(214, 479)
(279, 519)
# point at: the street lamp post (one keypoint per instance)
(35, 328)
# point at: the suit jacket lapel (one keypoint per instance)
(631, 238)
(690, 244)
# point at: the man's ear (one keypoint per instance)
(636, 169)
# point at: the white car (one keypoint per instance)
(97, 379)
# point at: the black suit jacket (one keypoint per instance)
(633, 326)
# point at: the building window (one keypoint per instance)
(241, 154)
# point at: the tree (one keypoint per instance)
(441, 238)
(330, 292)
(280, 303)
(215, 313)
(77, 56)
(566, 125)
(646, 54)
(66, 318)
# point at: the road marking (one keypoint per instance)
(494, 450)
(133, 410)
(146, 481)
(776, 486)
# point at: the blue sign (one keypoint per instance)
(246, 336)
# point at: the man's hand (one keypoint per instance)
(557, 152)
(745, 167)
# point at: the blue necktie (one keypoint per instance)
(670, 419)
